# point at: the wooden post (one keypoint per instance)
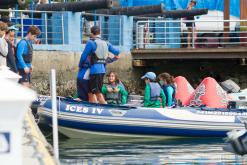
(139, 63)
(243, 7)
(243, 25)
(226, 17)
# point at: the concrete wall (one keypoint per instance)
(66, 64)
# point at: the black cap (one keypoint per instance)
(95, 30)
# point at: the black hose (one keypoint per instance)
(12, 2)
(132, 11)
(179, 13)
(76, 6)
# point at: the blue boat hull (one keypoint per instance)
(183, 122)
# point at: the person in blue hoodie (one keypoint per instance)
(24, 55)
(97, 53)
(167, 84)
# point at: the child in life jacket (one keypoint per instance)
(114, 91)
(153, 92)
(167, 84)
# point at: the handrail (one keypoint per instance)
(178, 33)
(48, 36)
(178, 21)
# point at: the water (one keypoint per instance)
(92, 149)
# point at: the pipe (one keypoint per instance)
(150, 11)
(132, 11)
(76, 6)
(178, 13)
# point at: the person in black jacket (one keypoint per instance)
(190, 25)
(9, 37)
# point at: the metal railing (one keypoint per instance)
(51, 24)
(55, 31)
(110, 27)
(145, 33)
(196, 34)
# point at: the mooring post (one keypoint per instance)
(54, 113)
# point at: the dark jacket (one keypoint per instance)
(11, 60)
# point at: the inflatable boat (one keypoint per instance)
(76, 117)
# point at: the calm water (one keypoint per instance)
(92, 149)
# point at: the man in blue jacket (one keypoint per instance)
(97, 53)
(24, 55)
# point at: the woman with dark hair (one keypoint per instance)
(114, 91)
(167, 83)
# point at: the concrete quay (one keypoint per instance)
(36, 150)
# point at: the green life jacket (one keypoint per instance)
(113, 97)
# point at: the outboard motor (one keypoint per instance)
(237, 104)
(230, 86)
(37, 103)
(237, 142)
